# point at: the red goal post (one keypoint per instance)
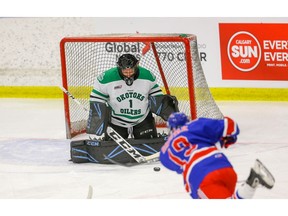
(173, 58)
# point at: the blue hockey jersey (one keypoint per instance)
(191, 150)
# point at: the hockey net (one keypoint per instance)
(173, 58)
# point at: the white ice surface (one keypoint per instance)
(34, 156)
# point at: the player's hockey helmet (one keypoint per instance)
(177, 120)
(128, 61)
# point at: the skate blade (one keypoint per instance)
(267, 176)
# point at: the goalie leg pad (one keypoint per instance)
(99, 118)
(93, 151)
(78, 152)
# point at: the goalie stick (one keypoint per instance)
(148, 159)
(139, 158)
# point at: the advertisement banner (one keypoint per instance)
(254, 51)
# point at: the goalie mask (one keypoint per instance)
(128, 68)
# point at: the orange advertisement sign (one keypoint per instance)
(253, 51)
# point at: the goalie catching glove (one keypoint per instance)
(163, 105)
(99, 118)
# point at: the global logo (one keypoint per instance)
(244, 51)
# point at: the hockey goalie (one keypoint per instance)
(124, 98)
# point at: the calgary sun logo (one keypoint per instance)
(244, 51)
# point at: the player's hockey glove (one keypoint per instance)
(228, 141)
(230, 133)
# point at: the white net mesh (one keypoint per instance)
(86, 58)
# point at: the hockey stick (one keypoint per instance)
(73, 98)
(148, 159)
(115, 136)
(129, 148)
(90, 192)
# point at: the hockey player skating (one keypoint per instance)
(191, 150)
(124, 97)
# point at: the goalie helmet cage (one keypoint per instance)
(173, 58)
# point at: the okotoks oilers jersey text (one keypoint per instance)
(129, 103)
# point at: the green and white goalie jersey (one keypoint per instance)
(129, 104)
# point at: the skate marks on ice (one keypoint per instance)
(40, 169)
(38, 152)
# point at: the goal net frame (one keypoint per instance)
(149, 44)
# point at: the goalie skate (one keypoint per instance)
(259, 174)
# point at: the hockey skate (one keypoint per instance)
(260, 175)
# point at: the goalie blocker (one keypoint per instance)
(93, 151)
